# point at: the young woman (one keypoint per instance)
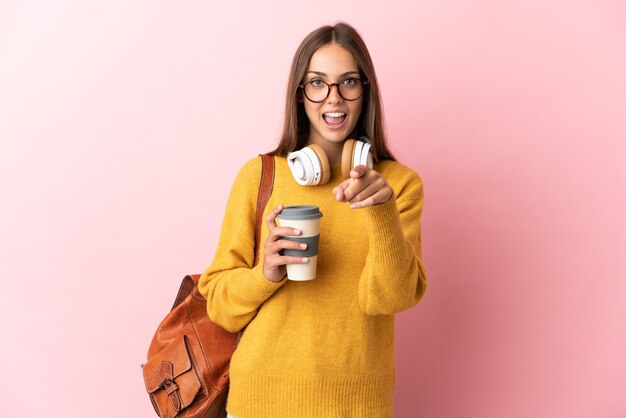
(321, 348)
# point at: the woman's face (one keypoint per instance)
(335, 118)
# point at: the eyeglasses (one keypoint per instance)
(318, 90)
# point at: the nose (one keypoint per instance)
(334, 96)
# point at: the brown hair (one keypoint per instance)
(370, 124)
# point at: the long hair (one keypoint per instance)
(370, 124)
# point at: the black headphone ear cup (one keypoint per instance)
(347, 157)
(323, 161)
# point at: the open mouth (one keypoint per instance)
(334, 120)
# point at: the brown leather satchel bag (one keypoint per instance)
(186, 374)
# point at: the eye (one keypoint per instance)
(350, 82)
(317, 83)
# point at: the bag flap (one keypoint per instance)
(169, 363)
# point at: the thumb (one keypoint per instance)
(358, 171)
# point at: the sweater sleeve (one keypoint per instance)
(233, 287)
(394, 278)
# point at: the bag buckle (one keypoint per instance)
(166, 373)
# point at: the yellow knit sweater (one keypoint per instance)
(322, 348)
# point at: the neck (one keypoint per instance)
(333, 150)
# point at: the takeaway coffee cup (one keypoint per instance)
(307, 219)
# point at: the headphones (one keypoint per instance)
(310, 165)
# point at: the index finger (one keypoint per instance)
(272, 216)
(339, 191)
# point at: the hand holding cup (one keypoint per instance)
(305, 218)
(274, 263)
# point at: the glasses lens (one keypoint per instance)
(351, 88)
(316, 90)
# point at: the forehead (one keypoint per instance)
(332, 59)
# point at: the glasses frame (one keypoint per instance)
(330, 86)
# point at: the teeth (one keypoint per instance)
(335, 114)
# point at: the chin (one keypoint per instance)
(337, 136)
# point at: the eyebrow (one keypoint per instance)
(326, 75)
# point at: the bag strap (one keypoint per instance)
(265, 191)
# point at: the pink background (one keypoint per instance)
(123, 124)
